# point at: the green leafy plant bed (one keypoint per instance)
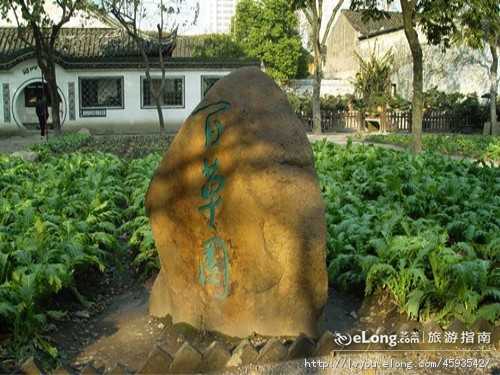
(128, 147)
(65, 215)
(55, 217)
(426, 228)
(473, 146)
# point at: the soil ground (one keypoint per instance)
(124, 333)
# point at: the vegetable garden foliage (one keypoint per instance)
(59, 217)
(484, 147)
(55, 217)
(425, 228)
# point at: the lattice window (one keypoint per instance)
(173, 93)
(101, 92)
(207, 82)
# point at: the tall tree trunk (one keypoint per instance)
(50, 77)
(495, 126)
(316, 98)
(160, 113)
(409, 20)
(157, 94)
(162, 68)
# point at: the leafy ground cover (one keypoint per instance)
(70, 213)
(473, 146)
(426, 228)
(55, 217)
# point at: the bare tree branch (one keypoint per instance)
(330, 21)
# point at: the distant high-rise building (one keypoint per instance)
(220, 14)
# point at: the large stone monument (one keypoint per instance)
(237, 216)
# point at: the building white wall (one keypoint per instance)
(458, 69)
(132, 115)
(328, 86)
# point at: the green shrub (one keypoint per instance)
(55, 217)
(401, 222)
(484, 147)
(62, 144)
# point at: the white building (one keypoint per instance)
(101, 80)
(458, 69)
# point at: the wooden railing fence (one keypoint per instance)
(433, 121)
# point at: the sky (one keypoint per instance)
(184, 19)
(202, 22)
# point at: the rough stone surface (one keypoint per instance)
(215, 357)
(120, 369)
(244, 354)
(326, 344)
(186, 360)
(238, 218)
(89, 370)
(61, 371)
(302, 347)
(26, 155)
(158, 362)
(273, 351)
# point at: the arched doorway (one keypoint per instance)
(24, 103)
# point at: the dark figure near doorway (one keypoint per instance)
(42, 111)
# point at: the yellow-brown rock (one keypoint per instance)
(237, 216)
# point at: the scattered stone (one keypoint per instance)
(158, 362)
(408, 327)
(29, 367)
(215, 357)
(238, 217)
(84, 314)
(430, 326)
(258, 341)
(26, 155)
(186, 360)
(273, 351)
(89, 370)
(326, 344)
(302, 347)
(244, 354)
(482, 325)
(61, 371)
(456, 326)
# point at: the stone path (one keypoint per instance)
(12, 141)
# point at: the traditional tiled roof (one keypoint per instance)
(371, 27)
(105, 47)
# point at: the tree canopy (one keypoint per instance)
(268, 30)
(218, 46)
(39, 30)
